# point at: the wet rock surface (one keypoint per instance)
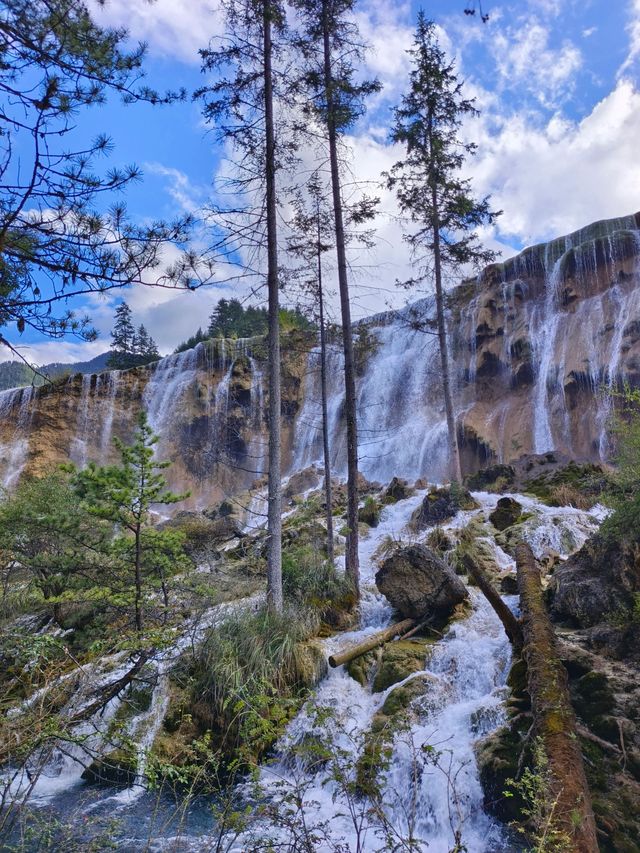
(420, 585)
(507, 513)
(599, 582)
(440, 505)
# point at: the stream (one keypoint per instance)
(432, 795)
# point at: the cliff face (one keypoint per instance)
(208, 406)
(542, 338)
(535, 343)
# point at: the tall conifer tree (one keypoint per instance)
(431, 190)
(241, 104)
(333, 51)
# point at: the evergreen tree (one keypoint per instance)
(62, 549)
(145, 349)
(123, 339)
(249, 80)
(332, 48)
(57, 224)
(430, 189)
(124, 495)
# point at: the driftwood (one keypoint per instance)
(554, 719)
(512, 626)
(110, 691)
(371, 642)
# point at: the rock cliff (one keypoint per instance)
(536, 344)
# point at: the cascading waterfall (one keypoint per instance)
(15, 452)
(401, 423)
(78, 452)
(544, 331)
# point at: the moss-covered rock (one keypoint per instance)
(495, 477)
(118, 768)
(397, 490)
(506, 513)
(400, 659)
(369, 512)
(361, 669)
(311, 663)
(441, 504)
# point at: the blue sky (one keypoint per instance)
(556, 81)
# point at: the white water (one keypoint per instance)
(15, 452)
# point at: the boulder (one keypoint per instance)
(397, 490)
(301, 482)
(507, 512)
(419, 584)
(400, 659)
(369, 512)
(117, 768)
(488, 478)
(601, 581)
(439, 505)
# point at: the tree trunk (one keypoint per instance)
(351, 557)
(511, 625)
(371, 642)
(138, 579)
(325, 417)
(555, 724)
(274, 512)
(454, 450)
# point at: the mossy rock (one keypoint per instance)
(397, 490)
(592, 696)
(487, 478)
(400, 659)
(507, 513)
(311, 663)
(402, 696)
(369, 513)
(498, 757)
(118, 768)
(362, 668)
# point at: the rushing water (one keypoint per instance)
(423, 797)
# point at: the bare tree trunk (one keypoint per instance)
(325, 416)
(138, 580)
(511, 625)
(568, 792)
(351, 556)
(372, 642)
(454, 450)
(274, 512)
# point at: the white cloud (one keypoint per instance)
(525, 59)
(46, 352)
(174, 28)
(552, 179)
(633, 29)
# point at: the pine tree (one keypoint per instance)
(333, 50)
(431, 191)
(311, 233)
(123, 339)
(57, 222)
(124, 495)
(248, 73)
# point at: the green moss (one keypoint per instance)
(400, 659)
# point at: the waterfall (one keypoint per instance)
(401, 422)
(544, 332)
(15, 452)
(78, 452)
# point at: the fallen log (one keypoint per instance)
(110, 691)
(372, 642)
(567, 791)
(511, 625)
